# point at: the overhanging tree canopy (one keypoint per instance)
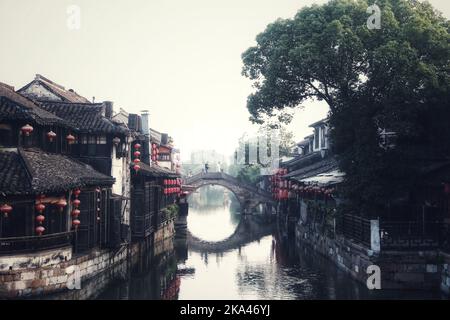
(395, 77)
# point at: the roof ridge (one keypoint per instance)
(39, 77)
(27, 165)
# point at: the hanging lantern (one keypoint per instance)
(61, 204)
(136, 161)
(75, 213)
(76, 203)
(154, 145)
(165, 190)
(27, 129)
(116, 141)
(51, 135)
(98, 190)
(77, 192)
(70, 139)
(137, 146)
(40, 218)
(136, 167)
(6, 210)
(137, 154)
(40, 230)
(39, 207)
(76, 223)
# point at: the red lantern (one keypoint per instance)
(70, 139)
(40, 207)
(154, 145)
(40, 230)
(165, 190)
(136, 161)
(27, 129)
(137, 154)
(77, 192)
(136, 167)
(51, 135)
(75, 213)
(40, 218)
(61, 204)
(76, 223)
(6, 210)
(137, 146)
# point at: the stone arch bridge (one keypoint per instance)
(248, 196)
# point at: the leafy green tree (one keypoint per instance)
(249, 174)
(286, 136)
(394, 78)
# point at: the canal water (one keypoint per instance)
(264, 268)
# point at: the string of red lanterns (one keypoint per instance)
(136, 160)
(98, 191)
(40, 207)
(76, 212)
(155, 152)
(282, 189)
(172, 186)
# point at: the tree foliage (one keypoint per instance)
(395, 77)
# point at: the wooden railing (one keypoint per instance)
(35, 243)
(396, 235)
(354, 228)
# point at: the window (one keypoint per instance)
(322, 137)
(92, 140)
(316, 138)
(83, 139)
(164, 157)
(101, 139)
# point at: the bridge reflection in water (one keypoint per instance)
(248, 262)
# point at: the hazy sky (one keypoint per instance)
(181, 59)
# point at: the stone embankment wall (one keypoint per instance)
(398, 270)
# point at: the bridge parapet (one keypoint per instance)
(227, 178)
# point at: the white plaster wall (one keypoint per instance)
(117, 172)
(38, 90)
(165, 164)
(120, 171)
(36, 259)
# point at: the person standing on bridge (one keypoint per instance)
(206, 167)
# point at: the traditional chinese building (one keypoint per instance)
(73, 179)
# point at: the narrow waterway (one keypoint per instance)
(263, 268)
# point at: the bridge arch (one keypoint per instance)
(248, 196)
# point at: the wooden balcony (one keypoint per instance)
(35, 243)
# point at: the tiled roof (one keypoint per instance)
(85, 117)
(58, 90)
(13, 176)
(14, 106)
(31, 171)
(156, 171)
(302, 161)
(325, 165)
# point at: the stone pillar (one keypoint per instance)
(375, 244)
